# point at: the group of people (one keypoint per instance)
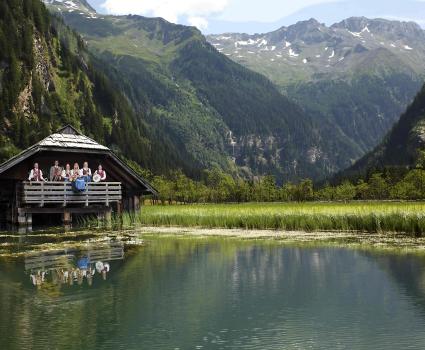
(58, 173)
(73, 274)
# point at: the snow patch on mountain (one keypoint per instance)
(292, 53)
(357, 35)
(263, 42)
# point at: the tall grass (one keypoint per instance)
(363, 217)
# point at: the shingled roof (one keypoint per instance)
(69, 137)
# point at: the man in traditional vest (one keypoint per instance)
(56, 172)
(36, 174)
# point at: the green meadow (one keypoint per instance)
(373, 217)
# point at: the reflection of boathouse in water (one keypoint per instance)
(66, 266)
(20, 199)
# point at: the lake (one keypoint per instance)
(198, 293)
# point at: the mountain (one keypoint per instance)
(400, 147)
(217, 111)
(358, 75)
(49, 79)
(325, 11)
(82, 6)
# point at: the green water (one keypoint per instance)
(176, 293)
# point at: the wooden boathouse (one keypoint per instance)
(20, 199)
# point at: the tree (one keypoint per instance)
(411, 187)
(326, 193)
(287, 192)
(221, 186)
(362, 189)
(378, 187)
(164, 188)
(345, 192)
(243, 191)
(268, 188)
(420, 161)
(304, 191)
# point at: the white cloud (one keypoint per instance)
(195, 11)
(199, 22)
(419, 21)
(266, 10)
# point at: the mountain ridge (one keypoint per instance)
(345, 110)
(223, 113)
(358, 74)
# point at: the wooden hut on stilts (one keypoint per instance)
(20, 199)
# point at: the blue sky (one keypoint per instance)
(217, 16)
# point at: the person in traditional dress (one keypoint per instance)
(75, 172)
(55, 172)
(85, 172)
(67, 173)
(101, 173)
(36, 174)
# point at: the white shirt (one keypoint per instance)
(32, 175)
(64, 175)
(103, 176)
(88, 170)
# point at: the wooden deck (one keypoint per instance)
(61, 193)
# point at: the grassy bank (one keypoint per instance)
(371, 217)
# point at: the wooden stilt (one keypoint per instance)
(108, 218)
(29, 219)
(22, 219)
(136, 201)
(67, 217)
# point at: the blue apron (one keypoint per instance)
(79, 185)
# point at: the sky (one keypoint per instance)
(252, 16)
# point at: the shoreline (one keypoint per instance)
(385, 242)
(391, 241)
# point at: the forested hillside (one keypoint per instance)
(358, 75)
(219, 112)
(159, 94)
(402, 146)
(49, 79)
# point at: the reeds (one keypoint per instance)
(408, 217)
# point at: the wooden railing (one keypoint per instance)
(50, 192)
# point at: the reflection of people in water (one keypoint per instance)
(102, 268)
(89, 278)
(105, 270)
(69, 276)
(38, 278)
(69, 271)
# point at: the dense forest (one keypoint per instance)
(49, 79)
(218, 112)
(392, 183)
(402, 146)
